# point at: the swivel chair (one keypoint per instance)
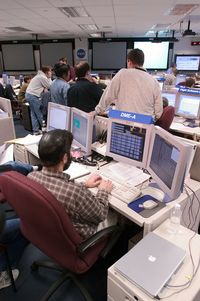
(45, 223)
(166, 118)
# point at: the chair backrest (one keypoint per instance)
(166, 118)
(45, 223)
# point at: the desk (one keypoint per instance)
(150, 223)
(120, 289)
(185, 130)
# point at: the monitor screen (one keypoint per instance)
(128, 141)
(180, 78)
(52, 52)
(155, 54)
(82, 130)
(171, 97)
(167, 161)
(109, 55)
(188, 106)
(18, 57)
(187, 62)
(58, 117)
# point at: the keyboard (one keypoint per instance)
(125, 193)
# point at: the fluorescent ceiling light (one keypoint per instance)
(74, 12)
(88, 26)
(181, 9)
(95, 35)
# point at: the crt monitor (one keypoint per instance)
(188, 106)
(187, 62)
(58, 117)
(128, 141)
(167, 161)
(171, 97)
(82, 130)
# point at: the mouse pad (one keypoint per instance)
(134, 205)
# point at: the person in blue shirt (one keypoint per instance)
(60, 86)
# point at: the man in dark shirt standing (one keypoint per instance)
(85, 93)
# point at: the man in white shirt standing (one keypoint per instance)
(133, 89)
(39, 84)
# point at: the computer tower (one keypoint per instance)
(26, 117)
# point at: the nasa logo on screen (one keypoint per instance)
(81, 53)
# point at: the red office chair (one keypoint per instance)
(47, 226)
(166, 118)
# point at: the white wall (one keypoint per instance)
(184, 46)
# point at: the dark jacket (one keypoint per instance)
(84, 95)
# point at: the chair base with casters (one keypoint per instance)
(43, 214)
(66, 274)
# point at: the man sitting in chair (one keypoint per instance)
(87, 211)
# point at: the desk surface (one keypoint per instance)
(119, 287)
(156, 219)
(186, 130)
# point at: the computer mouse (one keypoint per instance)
(149, 204)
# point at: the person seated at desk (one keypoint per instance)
(85, 93)
(133, 89)
(165, 102)
(86, 210)
(172, 70)
(60, 86)
(22, 91)
(189, 82)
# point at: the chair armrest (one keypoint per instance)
(84, 246)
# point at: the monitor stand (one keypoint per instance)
(154, 191)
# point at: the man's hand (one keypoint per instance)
(93, 181)
(106, 185)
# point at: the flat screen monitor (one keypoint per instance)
(82, 130)
(171, 97)
(156, 54)
(109, 55)
(188, 106)
(58, 117)
(188, 62)
(167, 161)
(128, 141)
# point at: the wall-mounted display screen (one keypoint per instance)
(18, 57)
(156, 54)
(109, 55)
(52, 52)
(188, 62)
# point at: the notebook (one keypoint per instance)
(76, 170)
(151, 263)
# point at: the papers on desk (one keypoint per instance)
(6, 154)
(125, 173)
(29, 139)
(76, 170)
